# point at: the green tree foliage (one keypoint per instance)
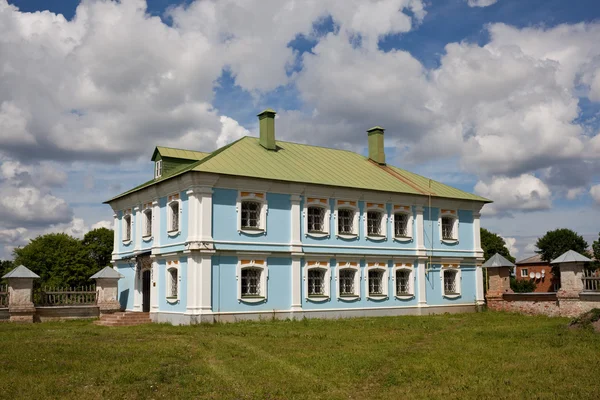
(5, 267)
(62, 260)
(554, 243)
(99, 246)
(522, 285)
(596, 251)
(491, 244)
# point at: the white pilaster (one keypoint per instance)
(116, 231)
(422, 282)
(199, 277)
(479, 298)
(205, 214)
(477, 234)
(295, 223)
(137, 292)
(137, 232)
(419, 238)
(156, 229)
(154, 287)
(297, 284)
(193, 217)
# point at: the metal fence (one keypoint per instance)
(85, 295)
(3, 296)
(591, 281)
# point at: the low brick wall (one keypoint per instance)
(548, 304)
(60, 313)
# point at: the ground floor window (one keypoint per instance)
(316, 282)
(403, 282)
(376, 284)
(346, 282)
(251, 282)
(451, 282)
(252, 276)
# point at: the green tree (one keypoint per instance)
(596, 251)
(5, 267)
(554, 243)
(99, 246)
(59, 260)
(491, 244)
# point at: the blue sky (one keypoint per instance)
(502, 100)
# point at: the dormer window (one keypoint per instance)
(157, 169)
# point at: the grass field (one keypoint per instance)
(447, 356)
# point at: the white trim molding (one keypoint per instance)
(383, 222)
(453, 214)
(147, 222)
(348, 265)
(171, 267)
(126, 226)
(173, 200)
(405, 210)
(380, 268)
(451, 269)
(320, 266)
(261, 284)
(351, 205)
(322, 203)
(406, 268)
(256, 197)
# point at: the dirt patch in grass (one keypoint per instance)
(590, 319)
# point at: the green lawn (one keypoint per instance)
(483, 355)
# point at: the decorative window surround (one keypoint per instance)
(323, 205)
(354, 285)
(147, 218)
(407, 283)
(448, 232)
(376, 280)
(174, 213)
(254, 281)
(450, 277)
(127, 226)
(245, 216)
(173, 281)
(375, 221)
(313, 290)
(406, 234)
(157, 169)
(352, 224)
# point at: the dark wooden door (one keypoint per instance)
(146, 291)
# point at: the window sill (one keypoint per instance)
(449, 241)
(172, 300)
(318, 298)
(377, 297)
(173, 233)
(147, 238)
(349, 297)
(252, 231)
(405, 296)
(252, 299)
(376, 238)
(452, 295)
(347, 236)
(126, 242)
(403, 238)
(317, 234)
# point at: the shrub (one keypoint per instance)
(522, 286)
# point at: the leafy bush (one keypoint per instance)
(522, 286)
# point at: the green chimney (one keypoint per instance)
(266, 120)
(376, 151)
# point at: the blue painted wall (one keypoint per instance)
(434, 287)
(432, 231)
(126, 285)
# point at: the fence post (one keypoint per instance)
(108, 290)
(571, 283)
(498, 269)
(20, 289)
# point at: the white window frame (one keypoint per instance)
(350, 205)
(172, 265)
(456, 269)
(380, 208)
(127, 224)
(264, 278)
(158, 169)
(450, 214)
(407, 210)
(408, 267)
(353, 265)
(324, 204)
(524, 273)
(147, 209)
(318, 265)
(171, 200)
(261, 199)
(381, 266)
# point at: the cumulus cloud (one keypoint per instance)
(480, 3)
(595, 193)
(525, 192)
(511, 245)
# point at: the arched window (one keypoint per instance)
(348, 278)
(403, 278)
(174, 211)
(252, 276)
(127, 226)
(147, 221)
(376, 282)
(316, 280)
(375, 221)
(173, 283)
(402, 222)
(450, 276)
(448, 226)
(346, 214)
(252, 212)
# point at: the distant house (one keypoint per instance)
(539, 271)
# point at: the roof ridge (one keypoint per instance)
(178, 148)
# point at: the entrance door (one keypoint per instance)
(146, 291)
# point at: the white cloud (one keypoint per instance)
(595, 193)
(102, 224)
(525, 192)
(511, 245)
(480, 3)
(572, 194)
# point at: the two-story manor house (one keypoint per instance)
(263, 228)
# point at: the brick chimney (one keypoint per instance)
(266, 120)
(376, 151)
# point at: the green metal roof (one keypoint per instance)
(293, 162)
(178, 153)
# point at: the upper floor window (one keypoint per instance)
(402, 222)
(127, 225)
(147, 220)
(448, 225)
(347, 218)
(316, 217)
(316, 278)
(376, 279)
(252, 280)
(376, 221)
(174, 211)
(450, 276)
(348, 277)
(158, 169)
(252, 210)
(403, 280)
